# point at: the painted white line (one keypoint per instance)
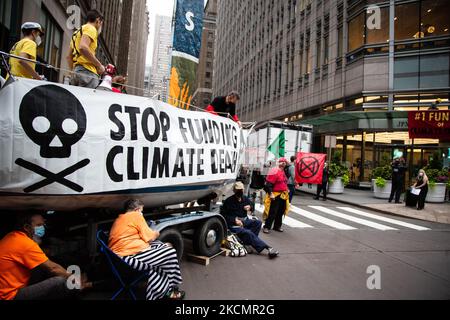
(377, 217)
(321, 219)
(287, 220)
(354, 219)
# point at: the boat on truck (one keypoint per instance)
(69, 150)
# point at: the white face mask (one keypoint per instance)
(38, 40)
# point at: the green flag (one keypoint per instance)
(277, 147)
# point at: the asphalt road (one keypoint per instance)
(325, 253)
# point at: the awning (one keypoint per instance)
(351, 121)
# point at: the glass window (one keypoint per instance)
(380, 35)
(340, 41)
(407, 21)
(319, 53)
(356, 32)
(325, 49)
(435, 19)
(406, 73)
(434, 71)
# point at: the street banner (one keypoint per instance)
(309, 167)
(59, 140)
(429, 124)
(278, 146)
(187, 40)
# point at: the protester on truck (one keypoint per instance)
(224, 106)
(132, 239)
(277, 198)
(27, 48)
(118, 85)
(236, 210)
(81, 57)
(21, 257)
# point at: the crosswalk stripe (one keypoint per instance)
(354, 219)
(377, 217)
(287, 220)
(321, 219)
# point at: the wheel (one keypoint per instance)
(208, 237)
(174, 237)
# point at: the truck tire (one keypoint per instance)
(208, 237)
(174, 237)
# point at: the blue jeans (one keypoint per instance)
(249, 234)
(291, 191)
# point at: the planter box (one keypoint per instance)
(436, 194)
(382, 193)
(336, 187)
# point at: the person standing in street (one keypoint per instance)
(224, 106)
(81, 57)
(27, 48)
(422, 184)
(277, 198)
(398, 178)
(290, 174)
(324, 185)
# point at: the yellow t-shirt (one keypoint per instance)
(91, 32)
(23, 46)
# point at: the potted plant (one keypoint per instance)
(338, 178)
(382, 182)
(438, 181)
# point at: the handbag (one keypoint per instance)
(233, 244)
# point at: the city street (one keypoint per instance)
(323, 256)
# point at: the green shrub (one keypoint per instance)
(384, 172)
(380, 182)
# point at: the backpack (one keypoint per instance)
(233, 244)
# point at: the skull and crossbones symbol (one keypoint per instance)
(54, 119)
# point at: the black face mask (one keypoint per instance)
(239, 193)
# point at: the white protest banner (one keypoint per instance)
(67, 144)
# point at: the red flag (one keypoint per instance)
(309, 167)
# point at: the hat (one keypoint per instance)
(283, 160)
(32, 25)
(238, 186)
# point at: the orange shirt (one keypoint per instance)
(130, 234)
(18, 256)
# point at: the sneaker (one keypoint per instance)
(316, 198)
(265, 230)
(272, 253)
(249, 249)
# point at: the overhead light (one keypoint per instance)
(429, 10)
(396, 18)
(446, 29)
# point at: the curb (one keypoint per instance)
(372, 209)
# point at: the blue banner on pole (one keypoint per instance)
(188, 27)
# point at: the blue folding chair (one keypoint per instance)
(127, 277)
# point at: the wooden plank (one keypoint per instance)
(206, 260)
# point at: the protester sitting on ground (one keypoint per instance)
(118, 84)
(225, 106)
(132, 239)
(81, 57)
(21, 256)
(236, 210)
(422, 184)
(27, 48)
(277, 198)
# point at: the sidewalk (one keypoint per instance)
(434, 212)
